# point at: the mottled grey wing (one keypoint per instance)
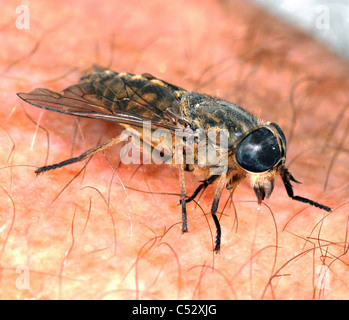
(117, 97)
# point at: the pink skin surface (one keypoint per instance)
(96, 239)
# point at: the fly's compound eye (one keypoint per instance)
(259, 151)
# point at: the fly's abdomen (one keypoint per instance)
(142, 95)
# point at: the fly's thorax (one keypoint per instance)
(207, 113)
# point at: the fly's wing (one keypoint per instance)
(119, 97)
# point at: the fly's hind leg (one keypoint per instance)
(82, 156)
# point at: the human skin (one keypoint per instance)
(96, 239)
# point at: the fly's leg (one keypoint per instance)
(204, 184)
(217, 196)
(82, 156)
(183, 196)
(287, 178)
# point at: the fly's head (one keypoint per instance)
(262, 154)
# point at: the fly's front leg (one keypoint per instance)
(217, 196)
(183, 197)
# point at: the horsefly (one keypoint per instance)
(193, 131)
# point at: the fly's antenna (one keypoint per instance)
(287, 178)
